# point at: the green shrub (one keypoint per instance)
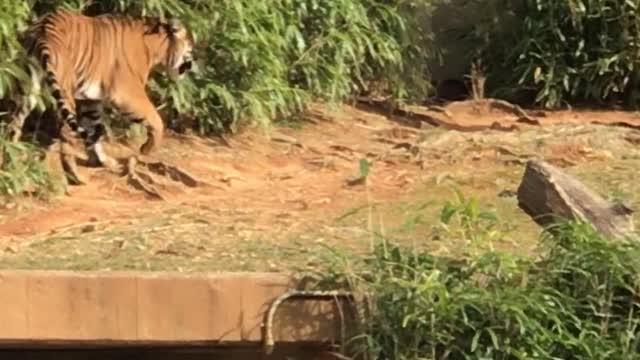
(565, 51)
(13, 66)
(258, 61)
(23, 171)
(578, 300)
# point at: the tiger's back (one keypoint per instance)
(108, 59)
(89, 54)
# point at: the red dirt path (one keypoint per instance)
(297, 173)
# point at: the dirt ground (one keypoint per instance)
(277, 200)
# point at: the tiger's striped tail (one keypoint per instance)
(68, 115)
(44, 55)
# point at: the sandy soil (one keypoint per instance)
(265, 199)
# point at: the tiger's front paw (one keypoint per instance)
(147, 147)
(113, 165)
(154, 138)
(68, 156)
(71, 172)
(99, 157)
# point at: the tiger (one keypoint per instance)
(107, 59)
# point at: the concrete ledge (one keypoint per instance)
(286, 352)
(44, 308)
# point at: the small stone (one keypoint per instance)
(88, 228)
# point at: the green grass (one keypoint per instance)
(22, 171)
(577, 300)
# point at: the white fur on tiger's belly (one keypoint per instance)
(89, 91)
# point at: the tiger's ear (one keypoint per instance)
(175, 26)
(153, 25)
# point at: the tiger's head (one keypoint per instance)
(179, 57)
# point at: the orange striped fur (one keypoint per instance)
(108, 59)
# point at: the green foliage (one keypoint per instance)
(409, 79)
(578, 300)
(575, 49)
(563, 51)
(257, 60)
(22, 171)
(463, 220)
(268, 59)
(13, 65)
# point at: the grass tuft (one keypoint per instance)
(577, 300)
(23, 171)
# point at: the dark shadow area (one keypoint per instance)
(298, 318)
(233, 352)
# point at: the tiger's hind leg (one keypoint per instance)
(61, 82)
(69, 154)
(92, 130)
(68, 138)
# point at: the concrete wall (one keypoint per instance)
(43, 309)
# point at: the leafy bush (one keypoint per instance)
(257, 60)
(579, 300)
(13, 67)
(564, 52)
(23, 171)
